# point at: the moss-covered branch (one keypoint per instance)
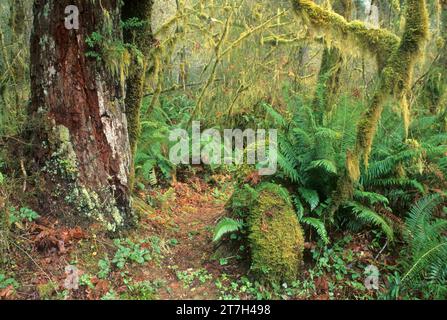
(396, 77)
(350, 37)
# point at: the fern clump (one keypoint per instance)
(275, 236)
(426, 252)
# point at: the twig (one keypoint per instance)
(25, 175)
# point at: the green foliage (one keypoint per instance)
(24, 214)
(132, 23)
(225, 226)
(368, 216)
(104, 268)
(129, 251)
(426, 255)
(190, 277)
(140, 291)
(319, 226)
(152, 157)
(6, 282)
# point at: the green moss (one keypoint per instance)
(47, 290)
(275, 236)
(63, 160)
(345, 35)
(137, 34)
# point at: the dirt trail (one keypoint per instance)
(188, 268)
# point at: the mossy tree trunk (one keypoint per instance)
(331, 67)
(434, 91)
(442, 100)
(77, 120)
(141, 37)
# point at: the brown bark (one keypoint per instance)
(77, 115)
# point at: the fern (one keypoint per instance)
(371, 217)
(328, 165)
(427, 245)
(225, 226)
(372, 197)
(319, 226)
(310, 196)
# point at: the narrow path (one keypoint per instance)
(188, 268)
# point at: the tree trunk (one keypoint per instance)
(331, 66)
(140, 37)
(77, 118)
(434, 91)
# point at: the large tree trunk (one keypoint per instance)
(77, 113)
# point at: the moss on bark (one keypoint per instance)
(274, 233)
(141, 37)
(331, 66)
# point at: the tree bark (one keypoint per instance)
(77, 119)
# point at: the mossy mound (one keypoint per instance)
(274, 233)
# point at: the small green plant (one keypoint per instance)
(141, 291)
(86, 280)
(24, 214)
(190, 276)
(104, 268)
(6, 282)
(129, 251)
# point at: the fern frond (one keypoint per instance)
(319, 226)
(225, 226)
(371, 217)
(328, 165)
(310, 196)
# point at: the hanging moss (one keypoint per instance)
(329, 74)
(396, 77)
(349, 37)
(275, 236)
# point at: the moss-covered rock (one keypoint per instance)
(274, 234)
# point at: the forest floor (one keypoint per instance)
(171, 255)
(174, 239)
